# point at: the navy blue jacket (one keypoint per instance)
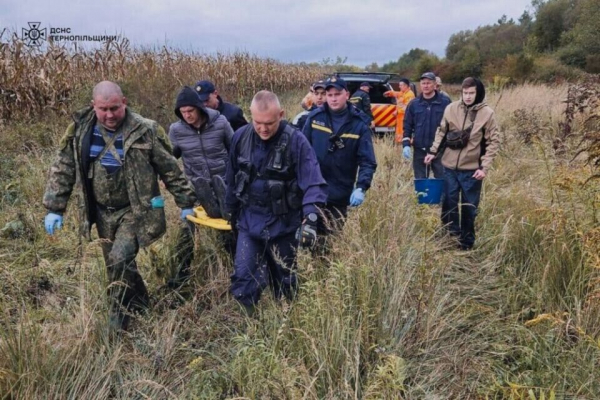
(422, 119)
(233, 113)
(361, 100)
(340, 167)
(258, 220)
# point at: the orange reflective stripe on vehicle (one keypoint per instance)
(389, 121)
(383, 114)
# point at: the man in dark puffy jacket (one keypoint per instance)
(202, 137)
(211, 99)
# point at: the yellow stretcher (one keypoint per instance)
(200, 218)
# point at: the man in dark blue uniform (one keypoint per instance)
(341, 137)
(274, 189)
(211, 98)
(361, 100)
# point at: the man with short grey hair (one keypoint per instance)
(274, 190)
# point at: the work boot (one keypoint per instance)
(140, 301)
(207, 199)
(220, 188)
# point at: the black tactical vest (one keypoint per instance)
(279, 171)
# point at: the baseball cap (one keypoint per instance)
(428, 75)
(320, 84)
(336, 82)
(367, 84)
(204, 89)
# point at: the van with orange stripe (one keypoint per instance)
(383, 108)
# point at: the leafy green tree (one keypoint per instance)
(550, 23)
(585, 34)
(456, 43)
(373, 67)
(470, 62)
(426, 63)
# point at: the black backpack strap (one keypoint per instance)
(281, 147)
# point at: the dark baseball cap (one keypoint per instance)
(320, 84)
(428, 75)
(205, 88)
(335, 82)
(367, 84)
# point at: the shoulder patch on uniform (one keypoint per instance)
(68, 136)
(163, 138)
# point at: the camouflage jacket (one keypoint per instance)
(147, 156)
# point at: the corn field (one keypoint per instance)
(33, 81)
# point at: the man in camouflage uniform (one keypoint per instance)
(114, 157)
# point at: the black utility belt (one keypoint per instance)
(111, 209)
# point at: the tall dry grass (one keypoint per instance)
(392, 312)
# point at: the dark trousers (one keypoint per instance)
(423, 171)
(120, 247)
(459, 208)
(259, 263)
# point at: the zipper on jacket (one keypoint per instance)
(204, 152)
(463, 128)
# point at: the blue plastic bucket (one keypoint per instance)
(429, 191)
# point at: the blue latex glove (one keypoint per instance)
(51, 221)
(357, 197)
(185, 212)
(406, 152)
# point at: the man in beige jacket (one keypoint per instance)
(468, 140)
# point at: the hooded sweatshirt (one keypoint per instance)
(484, 141)
(204, 149)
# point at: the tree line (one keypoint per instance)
(552, 41)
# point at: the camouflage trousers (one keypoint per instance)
(120, 246)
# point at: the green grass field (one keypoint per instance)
(393, 312)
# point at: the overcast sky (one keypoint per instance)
(299, 30)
